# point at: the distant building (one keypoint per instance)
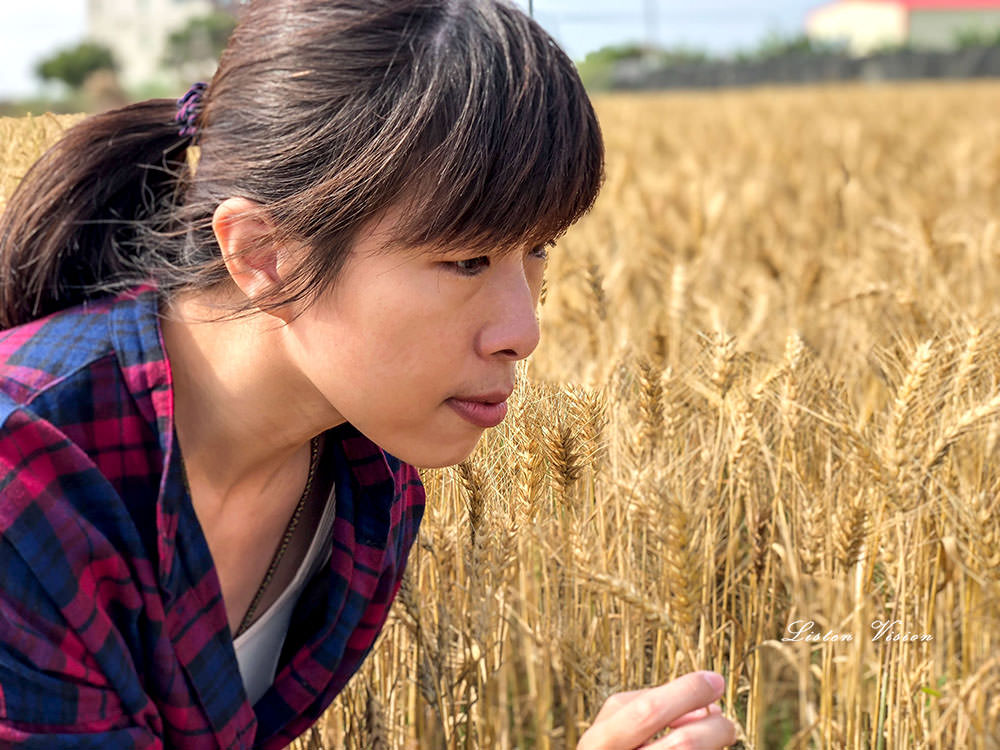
(136, 31)
(866, 25)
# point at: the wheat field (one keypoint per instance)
(766, 395)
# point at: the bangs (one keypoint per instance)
(463, 114)
(508, 151)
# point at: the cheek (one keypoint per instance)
(399, 333)
(386, 353)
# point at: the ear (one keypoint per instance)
(236, 223)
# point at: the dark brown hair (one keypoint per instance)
(327, 113)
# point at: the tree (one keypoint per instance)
(776, 45)
(598, 67)
(976, 36)
(73, 65)
(201, 40)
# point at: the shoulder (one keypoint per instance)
(39, 354)
(74, 494)
(34, 454)
(52, 491)
(76, 381)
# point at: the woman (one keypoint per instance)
(235, 327)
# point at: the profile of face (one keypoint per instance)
(401, 333)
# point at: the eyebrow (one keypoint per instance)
(434, 249)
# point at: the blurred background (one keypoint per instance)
(89, 55)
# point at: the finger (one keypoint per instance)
(711, 733)
(615, 702)
(653, 710)
(713, 709)
(698, 714)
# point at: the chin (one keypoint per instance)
(435, 459)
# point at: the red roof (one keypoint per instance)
(910, 5)
(946, 4)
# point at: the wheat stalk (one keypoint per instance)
(723, 354)
(966, 422)
(904, 405)
(475, 493)
(564, 450)
(851, 527)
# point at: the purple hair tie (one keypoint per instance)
(188, 109)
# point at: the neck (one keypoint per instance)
(244, 414)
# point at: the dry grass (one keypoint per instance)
(767, 391)
(22, 139)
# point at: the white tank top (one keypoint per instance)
(258, 648)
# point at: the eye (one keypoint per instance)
(542, 250)
(472, 266)
(462, 267)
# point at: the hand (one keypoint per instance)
(687, 705)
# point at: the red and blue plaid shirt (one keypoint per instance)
(113, 632)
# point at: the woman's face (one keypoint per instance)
(401, 334)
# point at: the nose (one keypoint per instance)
(512, 330)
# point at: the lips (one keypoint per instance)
(492, 397)
(480, 414)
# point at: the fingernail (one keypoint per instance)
(715, 680)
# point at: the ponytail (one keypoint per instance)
(65, 234)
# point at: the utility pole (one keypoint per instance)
(531, 8)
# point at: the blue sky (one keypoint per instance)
(30, 30)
